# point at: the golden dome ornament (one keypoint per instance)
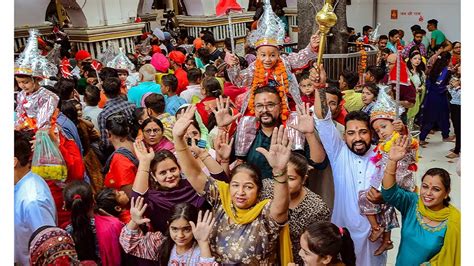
(326, 18)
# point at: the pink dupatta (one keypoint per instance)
(108, 232)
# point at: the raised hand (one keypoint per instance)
(222, 145)
(222, 114)
(182, 124)
(315, 38)
(202, 228)
(143, 155)
(280, 149)
(137, 208)
(317, 74)
(399, 148)
(305, 119)
(197, 152)
(398, 125)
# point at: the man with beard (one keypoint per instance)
(267, 106)
(417, 41)
(350, 158)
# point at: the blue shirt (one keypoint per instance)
(419, 242)
(173, 103)
(136, 93)
(34, 208)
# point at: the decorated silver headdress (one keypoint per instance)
(31, 63)
(108, 54)
(121, 62)
(270, 29)
(385, 107)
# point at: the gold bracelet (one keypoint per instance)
(148, 172)
(208, 155)
(281, 182)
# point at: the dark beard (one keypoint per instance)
(417, 42)
(360, 153)
(272, 123)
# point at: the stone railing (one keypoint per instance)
(95, 39)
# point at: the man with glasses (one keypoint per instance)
(267, 107)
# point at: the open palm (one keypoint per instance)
(222, 112)
(223, 146)
(141, 151)
(399, 148)
(182, 124)
(202, 228)
(137, 208)
(305, 120)
(280, 149)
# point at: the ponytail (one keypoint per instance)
(325, 238)
(78, 199)
(347, 249)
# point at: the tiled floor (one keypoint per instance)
(432, 156)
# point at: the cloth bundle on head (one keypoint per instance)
(121, 62)
(82, 55)
(178, 57)
(270, 29)
(52, 246)
(31, 63)
(385, 107)
(160, 62)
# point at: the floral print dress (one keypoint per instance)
(254, 243)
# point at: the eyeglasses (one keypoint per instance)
(269, 107)
(154, 130)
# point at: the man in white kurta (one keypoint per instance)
(351, 174)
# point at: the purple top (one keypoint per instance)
(160, 202)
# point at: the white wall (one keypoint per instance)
(31, 13)
(359, 14)
(447, 12)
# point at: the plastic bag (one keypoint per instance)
(47, 159)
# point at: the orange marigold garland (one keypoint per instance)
(281, 77)
(363, 58)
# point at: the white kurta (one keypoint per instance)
(351, 174)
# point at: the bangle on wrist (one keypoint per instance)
(148, 172)
(283, 173)
(223, 161)
(278, 181)
(223, 128)
(205, 157)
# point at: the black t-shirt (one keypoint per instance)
(215, 55)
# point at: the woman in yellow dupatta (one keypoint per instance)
(431, 230)
(246, 230)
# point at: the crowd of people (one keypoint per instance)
(188, 154)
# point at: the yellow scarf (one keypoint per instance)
(240, 216)
(450, 253)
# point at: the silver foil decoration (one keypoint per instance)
(121, 61)
(245, 135)
(270, 29)
(296, 136)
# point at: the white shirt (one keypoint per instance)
(191, 91)
(351, 174)
(34, 208)
(92, 112)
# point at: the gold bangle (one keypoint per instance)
(281, 182)
(202, 159)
